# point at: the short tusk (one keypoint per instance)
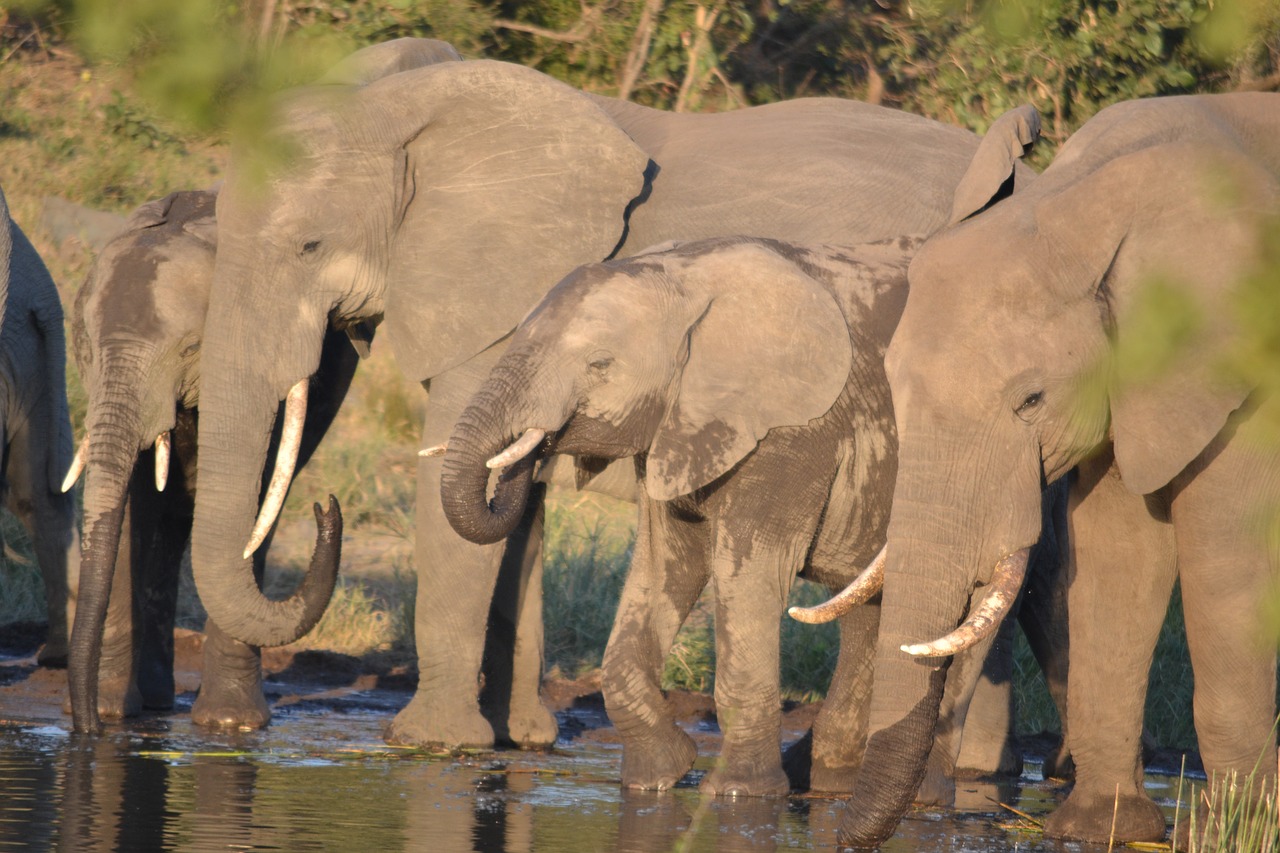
(434, 450)
(518, 449)
(162, 461)
(859, 591)
(295, 412)
(77, 465)
(983, 620)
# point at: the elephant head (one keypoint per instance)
(373, 212)
(1009, 314)
(686, 357)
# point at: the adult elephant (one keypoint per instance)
(35, 428)
(446, 200)
(762, 454)
(1000, 382)
(137, 326)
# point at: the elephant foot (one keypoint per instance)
(533, 728)
(938, 788)
(1089, 816)
(227, 704)
(424, 723)
(739, 780)
(659, 763)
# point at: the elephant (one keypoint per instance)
(1008, 370)
(140, 327)
(745, 378)
(35, 426)
(443, 202)
(137, 328)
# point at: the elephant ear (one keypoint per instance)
(508, 179)
(1179, 216)
(771, 349)
(151, 214)
(990, 175)
(386, 58)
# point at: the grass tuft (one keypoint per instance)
(1233, 814)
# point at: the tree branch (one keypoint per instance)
(639, 54)
(579, 32)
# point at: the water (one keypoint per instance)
(320, 778)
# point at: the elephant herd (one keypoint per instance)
(807, 339)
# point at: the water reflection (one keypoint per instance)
(326, 782)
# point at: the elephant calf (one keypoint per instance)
(35, 429)
(746, 378)
(137, 326)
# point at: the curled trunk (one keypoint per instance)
(482, 432)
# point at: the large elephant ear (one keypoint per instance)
(990, 175)
(1174, 218)
(508, 180)
(771, 349)
(389, 57)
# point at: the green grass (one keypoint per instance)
(1232, 814)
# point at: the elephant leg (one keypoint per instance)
(231, 694)
(1043, 617)
(840, 730)
(1121, 575)
(161, 528)
(963, 676)
(1220, 517)
(513, 651)
(50, 518)
(751, 594)
(456, 584)
(988, 743)
(668, 572)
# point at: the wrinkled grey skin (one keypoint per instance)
(745, 376)
(137, 325)
(1035, 291)
(448, 199)
(35, 428)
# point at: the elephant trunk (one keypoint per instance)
(114, 430)
(918, 603)
(482, 432)
(238, 407)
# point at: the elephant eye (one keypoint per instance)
(1030, 403)
(309, 247)
(599, 361)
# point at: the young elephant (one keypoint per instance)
(35, 430)
(137, 327)
(745, 376)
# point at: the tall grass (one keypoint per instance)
(21, 587)
(1232, 815)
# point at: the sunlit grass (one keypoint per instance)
(1232, 814)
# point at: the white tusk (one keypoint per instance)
(295, 412)
(162, 461)
(434, 450)
(983, 620)
(77, 465)
(518, 449)
(859, 591)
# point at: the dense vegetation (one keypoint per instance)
(109, 104)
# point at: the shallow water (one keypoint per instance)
(320, 778)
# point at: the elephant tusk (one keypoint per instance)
(162, 461)
(434, 450)
(983, 620)
(295, 412)
(77, 465)
(859, 591)
(518, 449)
